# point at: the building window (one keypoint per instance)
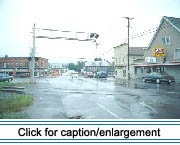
(1, 64)
(124, 73)
(119, 60)
(123, 60)
(177, 53)
(12, 64)
(36, 64)
(7, 64)
(20, 65)
(135, 70)
(166, 40)
(17, 64)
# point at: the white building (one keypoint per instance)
(136, 56)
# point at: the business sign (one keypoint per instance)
(6, 69)
(150, 59)
(159, 51)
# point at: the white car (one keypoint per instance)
(75, 75)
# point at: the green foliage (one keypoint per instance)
(76, 67)
(11, 105)
(2, 84)
(72, 66)
(12, 115)
(14, 103)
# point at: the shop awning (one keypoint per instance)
(157, 64)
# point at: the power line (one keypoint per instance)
(155, 29)
(145, 32)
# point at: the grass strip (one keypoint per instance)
(15, 103)
(2, 84)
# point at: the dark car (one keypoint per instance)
(158, 78)
(5, 77)
(101, 74)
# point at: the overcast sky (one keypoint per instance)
(104, 17)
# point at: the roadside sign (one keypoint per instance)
(159, 51)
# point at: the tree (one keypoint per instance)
(76, 67)
(72, 66)
(80, 65)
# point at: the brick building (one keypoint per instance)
(15, 66)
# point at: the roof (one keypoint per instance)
(97, 63)
(20, 57)
(174, 22)
(133, 50)
(123, 44)
(136, 50)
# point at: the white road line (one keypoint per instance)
(113, 114)
(147, 106)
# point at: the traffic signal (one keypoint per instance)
(94, 35)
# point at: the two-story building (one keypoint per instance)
(136, 56)
(18, 66)
(164, 49)
(99, 65)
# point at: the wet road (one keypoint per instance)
(64, 97)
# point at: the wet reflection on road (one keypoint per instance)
(65, 97)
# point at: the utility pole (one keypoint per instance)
(33, 54)
(128, 18)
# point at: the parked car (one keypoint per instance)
(5, 77)
(101, 74)
(89, 75)
(75, 75)
(158, 78)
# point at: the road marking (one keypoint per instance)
(90, 117)
(107, 110)
(147, 106)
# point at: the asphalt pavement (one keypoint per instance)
(65, 97)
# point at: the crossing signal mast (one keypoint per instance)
(95, 36)
(92, 37)
(32, 55)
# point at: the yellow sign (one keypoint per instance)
(159, 51)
